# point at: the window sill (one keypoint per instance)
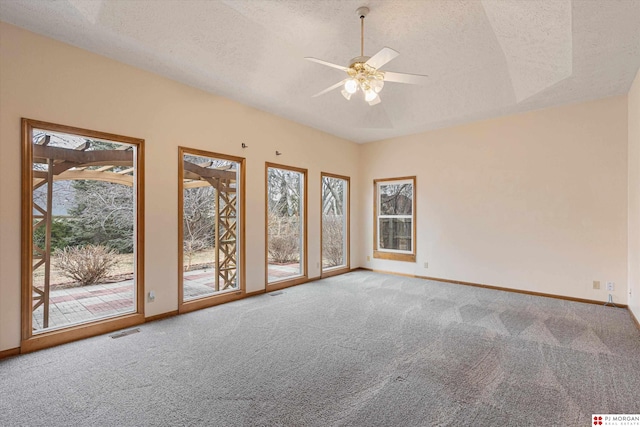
(394, 256)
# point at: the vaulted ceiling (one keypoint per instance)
(484, 58)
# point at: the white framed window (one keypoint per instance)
(394, 218)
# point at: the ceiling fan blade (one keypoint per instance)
(328, 64)
(330, 88)
(385, 55)
(413, 79)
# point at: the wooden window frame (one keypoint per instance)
(333, 271)
(29, 341)
(409, 256)
(223, 297)
(281, 284)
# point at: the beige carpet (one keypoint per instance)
(361, 349)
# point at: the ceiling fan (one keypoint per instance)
(364, 73)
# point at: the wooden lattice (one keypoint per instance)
(224, 183)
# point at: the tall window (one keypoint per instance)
(335, 224)
(211, 212)
(286, 224)
(82, 194)
(394, 211)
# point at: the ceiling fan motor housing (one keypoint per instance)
(362, 11)
(358, 60)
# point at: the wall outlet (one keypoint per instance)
(610, 286)
(596, 284)
(318, 265)
(151, 296)
(368, 258)
(426, 265)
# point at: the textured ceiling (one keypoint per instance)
(484, 58)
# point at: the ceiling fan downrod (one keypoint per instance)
(362, 13)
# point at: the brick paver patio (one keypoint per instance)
(282, 271)
(80, 304)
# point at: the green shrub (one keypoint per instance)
(60, 234)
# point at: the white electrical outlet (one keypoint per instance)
(151, 296)
(610, 286)
(368, 258)
(426, 265)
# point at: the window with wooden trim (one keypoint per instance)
(211, 231)
(335, 224)
(286, 219)
(394, 218)
(82, 233)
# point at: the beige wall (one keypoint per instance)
(46, 80)
(634, 197)
(535, 201)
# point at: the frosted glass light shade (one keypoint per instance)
(376, 85)
(370, 95)
(375, 101)
(351, 86)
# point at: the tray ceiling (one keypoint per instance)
(484, 58)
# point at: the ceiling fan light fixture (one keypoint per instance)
(363, 72)
(351, 86)
(376, 84)
(370, 95)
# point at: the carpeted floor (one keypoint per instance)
(361, 349)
